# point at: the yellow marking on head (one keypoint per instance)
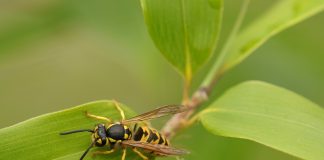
(125, 136)
(112, 140)
(99, 141)
(96, 135)
(107, 141)
(125, 127)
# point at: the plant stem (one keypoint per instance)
(218, 68)
(181, 120)
(186, 90)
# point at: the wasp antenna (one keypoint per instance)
(85, 152)
(76, 131)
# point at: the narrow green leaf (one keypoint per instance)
(270, 115)
(38, 138)
(185, 31)
(279, 17)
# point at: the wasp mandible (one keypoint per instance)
(143, 137)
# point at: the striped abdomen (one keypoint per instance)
(150, 135)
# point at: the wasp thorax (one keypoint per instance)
(118, 132)
(100, 136)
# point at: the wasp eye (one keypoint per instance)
(101, 132)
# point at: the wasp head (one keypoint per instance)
(99, 136)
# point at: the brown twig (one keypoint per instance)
(179, 121)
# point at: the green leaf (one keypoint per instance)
(185, 31)
(270, 115)
(279, 17)
(38, 138)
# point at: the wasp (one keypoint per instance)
(143, 137)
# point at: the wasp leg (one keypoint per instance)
(119, 109)
(140, 154)
(98, 117)
(124, 154)
(103, 152)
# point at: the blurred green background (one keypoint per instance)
(57, 54)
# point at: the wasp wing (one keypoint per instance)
(158, 149)
(156, 113)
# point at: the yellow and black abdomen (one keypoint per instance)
(149, 135)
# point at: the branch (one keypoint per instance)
(180, 120)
